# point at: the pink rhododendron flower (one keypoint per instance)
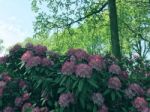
(44, 109)
(3, 59)
(66, 99)
(98, 99)
(2, 84)
(39, 50)
(81, 54)
(83, 71)
(114, 83)
(25, 96)
(22, 84)
(8, 109)
(129, 93)
(78, 53)
(47, 62)
(146, 109)
(140, 104)
(26, 56)
(94, 57)
(137, 89)
(6, 77)
(68, 68)
(34, 61)
(36, 109)
(96, 62)
(1, 91)
(103, 109)
(18, 101)
(115, 69)
(124, 74)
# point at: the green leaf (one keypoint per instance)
(148, 99)
(106, 92)
(1, 102)
(63, 80)
(60, 90)
(43, 102)
(118, 94)
(22, 65)
(113, 96)
(80, 85)
(94, 109)
(75, 84)
(93, 83)
(82, 103)
(38, 83)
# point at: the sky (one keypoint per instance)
(16, 21)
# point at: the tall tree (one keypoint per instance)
(114, 28)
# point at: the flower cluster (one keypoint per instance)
(78, 53)
(83, 70)
(124, 75)
(8, 109)
(46, 62)
(39, 50)
(66, 99)
(5, 79)
(68, 68)
(103, 109)
(141, 104)
(98, 99)
(133, 90)
(114, 83)
(26, 56)
(18, 101)
(33, 61)
(115, 69)
(34, 56)
(96, 62)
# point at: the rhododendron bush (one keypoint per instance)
(34, 79)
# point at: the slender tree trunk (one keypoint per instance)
(114, 29)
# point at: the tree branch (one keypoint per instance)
(139, 34)
(88, 15)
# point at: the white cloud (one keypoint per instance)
(11, 32)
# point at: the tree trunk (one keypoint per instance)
(114, 29)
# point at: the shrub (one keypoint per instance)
(33, 79)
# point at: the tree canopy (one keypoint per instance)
(86, 24)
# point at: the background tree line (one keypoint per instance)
(99, 26)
